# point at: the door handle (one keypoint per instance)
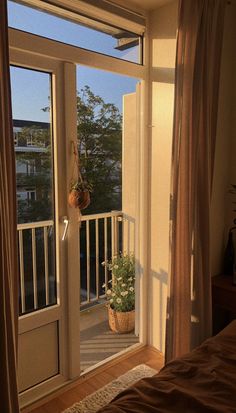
(65, 221)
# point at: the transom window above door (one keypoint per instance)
(92, 35)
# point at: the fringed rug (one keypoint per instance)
(103, 396)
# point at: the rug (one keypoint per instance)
(103, 396)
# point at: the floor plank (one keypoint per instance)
(95, 380)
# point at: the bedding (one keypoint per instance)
(202, 381)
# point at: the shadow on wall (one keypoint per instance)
(163, 22)
(158, 303)
(129, 233)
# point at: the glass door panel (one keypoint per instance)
(32, 127)
(41, 255)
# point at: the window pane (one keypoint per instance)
(118, 43)
(31, 102)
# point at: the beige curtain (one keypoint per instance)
(8, 239)
(199, 44)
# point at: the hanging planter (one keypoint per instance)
(79, 193)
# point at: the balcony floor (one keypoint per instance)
(97, 340)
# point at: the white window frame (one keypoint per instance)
(81, 11)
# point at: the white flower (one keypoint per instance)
(119, 279)
(110, 281)
(126, 292)
(113, 294)
(123, 285)
(131, 288)
(104, 285)
(123, 293)
(130, 279)
(115, 267)
(111, 300)
(108, 292)
(118, 300)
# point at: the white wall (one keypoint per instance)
(163, 24)
(129, 171)
(225, 155)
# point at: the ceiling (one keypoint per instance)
(147, 4)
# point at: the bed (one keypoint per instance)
(203, 381)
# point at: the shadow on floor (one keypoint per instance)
(98, 342)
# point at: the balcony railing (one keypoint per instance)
(35, 265)
(101, 237)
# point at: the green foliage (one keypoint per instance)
(100, 143)
(80, 186)
(121, 294)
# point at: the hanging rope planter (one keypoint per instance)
(79, 195)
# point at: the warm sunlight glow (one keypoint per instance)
(163, 53)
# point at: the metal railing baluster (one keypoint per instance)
(45, 242)
(34, 262)
(105, 251)
(97, 258)
(22, 271)
(88, 259)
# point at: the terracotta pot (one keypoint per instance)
(121, 322)
(79, 199)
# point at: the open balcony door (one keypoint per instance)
(49, 320)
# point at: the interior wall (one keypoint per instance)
(163, 25)
(225, 155)
(129, 172)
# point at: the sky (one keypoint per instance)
(31, 89)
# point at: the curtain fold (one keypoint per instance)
(8, 234)
(198, 61)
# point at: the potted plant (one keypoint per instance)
(121, 293)
(79, 194)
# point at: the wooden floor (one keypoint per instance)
(97, 341)
(96, 379)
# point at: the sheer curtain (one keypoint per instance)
(198, 58)
(8, 234)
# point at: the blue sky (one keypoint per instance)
(30, 89)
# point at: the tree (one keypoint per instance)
(100, 144)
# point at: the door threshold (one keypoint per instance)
(108, 362)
